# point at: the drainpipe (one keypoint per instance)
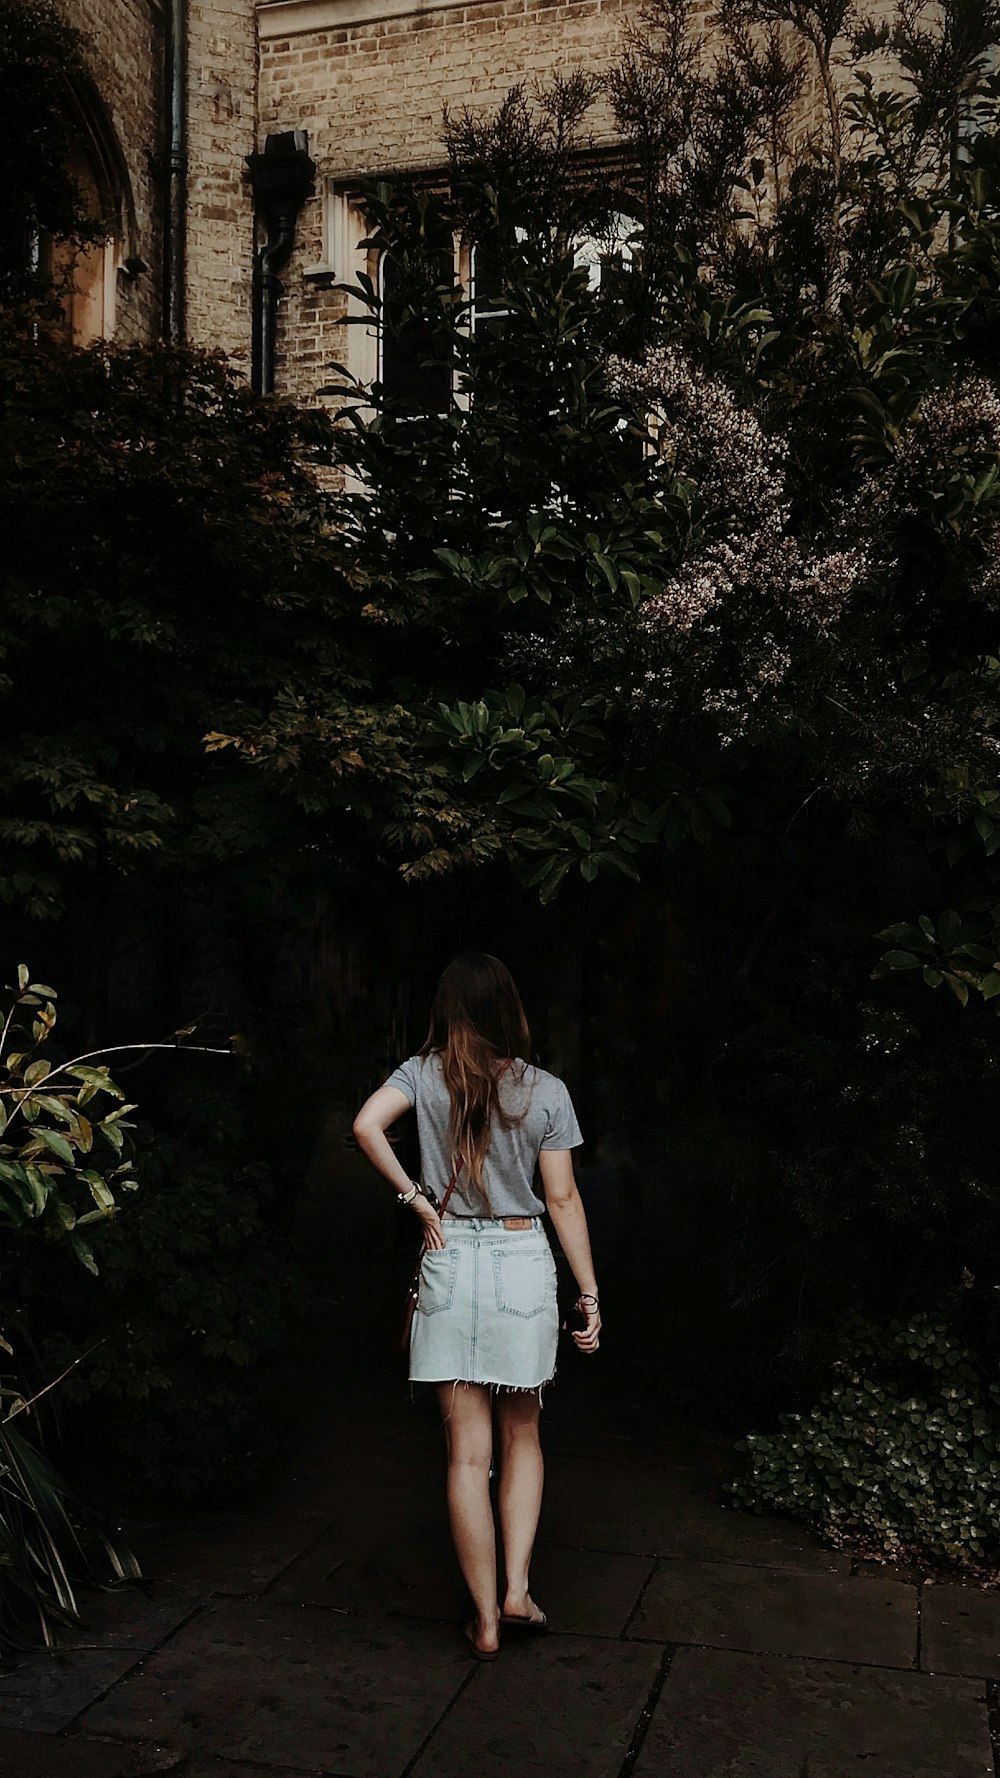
(281, 178)
(176, 207)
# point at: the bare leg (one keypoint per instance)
(522, 1473)
(468, 1429)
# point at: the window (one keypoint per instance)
(614, 243)
(976, 114)
(489, 313)
(405, 359)
(411, 368)
(401, 358)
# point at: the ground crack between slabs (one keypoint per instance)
(646, 1716)
(449, 1707)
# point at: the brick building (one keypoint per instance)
(184, 90)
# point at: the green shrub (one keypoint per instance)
(62, 1161)
(900, 1459)
(195, 1293)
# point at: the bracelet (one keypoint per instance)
(586, 1297)
(408, 1197)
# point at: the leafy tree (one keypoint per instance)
(169, 569)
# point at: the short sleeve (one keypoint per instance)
(404, 1078)
(561, 1127)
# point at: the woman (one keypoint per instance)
(485, 1325)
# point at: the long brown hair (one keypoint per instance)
(477, 1024)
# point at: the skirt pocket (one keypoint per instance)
(438, 1272)
(521, 1280)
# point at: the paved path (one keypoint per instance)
(319, 1633)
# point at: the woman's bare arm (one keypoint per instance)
(569, 1219)
(383, 1109)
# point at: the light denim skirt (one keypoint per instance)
(486, 1307)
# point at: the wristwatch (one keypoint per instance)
(408, 1197)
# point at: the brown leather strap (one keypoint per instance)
(508, 1222)
(451, 1187)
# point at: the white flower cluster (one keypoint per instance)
(987, 581)
(822, 586)
(962, 419)
(771, 665)
(689, 597)
(705, 436)
(730, 708)
(767, 566)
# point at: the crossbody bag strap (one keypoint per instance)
(451, 1187)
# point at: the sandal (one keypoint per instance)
(481, 1654)
(535, 1624)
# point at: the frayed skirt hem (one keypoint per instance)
(490, 1383)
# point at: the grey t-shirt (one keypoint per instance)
(546, 1119)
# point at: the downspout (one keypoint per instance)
(175, 218)
(281, 178)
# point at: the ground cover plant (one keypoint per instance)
(900, 1459)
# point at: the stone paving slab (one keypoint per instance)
(779, 1612)
(640, 1510)
(343, 1483)
(50, 1690)
(241, 1680)
(131, 1617)
(27, 1755)
(559, 1707)
(590, 1592)
(960, 1631)
(405, 1576)
(723, 1715)
(45, 1691)
(871, 1570)
(225, 1553)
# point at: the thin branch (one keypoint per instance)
(7, 1024)
(202, 1049)
(23, 1406)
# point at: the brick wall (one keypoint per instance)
(371, 97)
(222, 81)
(125, 47)
(124, 50)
